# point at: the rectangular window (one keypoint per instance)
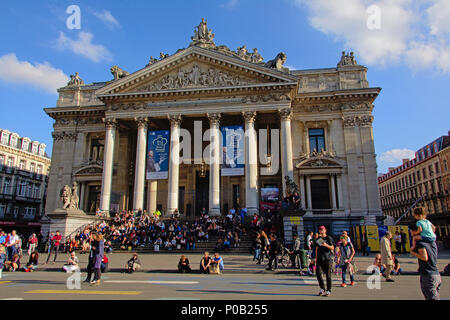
(39, 169)
(5, 138)
(436, 167)
(22, 164)
(2, 211)
(320, 194)
(10, 162)
(2, 160)
(424, 173)
(32, 167)
(316, 140)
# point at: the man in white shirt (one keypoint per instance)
(12, 244)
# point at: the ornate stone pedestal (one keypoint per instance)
(68, 221)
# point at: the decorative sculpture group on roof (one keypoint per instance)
(75, 80)
(347, 60)
(202, 36)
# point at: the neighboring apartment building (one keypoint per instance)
(24, 169)
(426, 175)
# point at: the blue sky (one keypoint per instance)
(408, 56)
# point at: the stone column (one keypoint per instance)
(340, 191)
(108, 157)
(302, 192)
(82, 193)
(286, 147)
(251, 165)
(152, 191)
(308, 192)
(333, 192)
(139, 175)
(214, 165)
(174, 163)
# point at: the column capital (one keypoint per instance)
(175, 119)
(249, 116)
(141, 121)
(110, 123)
(214, 118)
(285, 113)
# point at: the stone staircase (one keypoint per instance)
(244, 248)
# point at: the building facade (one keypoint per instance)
(425, 178)
(24, 169)
(320, 124)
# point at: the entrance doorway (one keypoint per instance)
(201, 192)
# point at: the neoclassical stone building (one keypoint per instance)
(322, 120)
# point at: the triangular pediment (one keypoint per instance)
(196, 68)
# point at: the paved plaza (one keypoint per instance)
(242, 279)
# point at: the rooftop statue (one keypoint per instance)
(118, 72)
(75, 80)
(278, 62)
(347, 60)
(202, 36)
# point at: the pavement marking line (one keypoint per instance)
(126, 293)
(2, 282)
(151, 282)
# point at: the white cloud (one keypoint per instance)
(108, 19)
(439, 17)
(83, 46)
(412, 32)
(397, 155)
(230, 4)
(40, 75)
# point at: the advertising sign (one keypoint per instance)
(157, 155)
(233, 157)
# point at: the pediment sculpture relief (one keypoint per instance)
(193, 78)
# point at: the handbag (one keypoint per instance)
(214, 269)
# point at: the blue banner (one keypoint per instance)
(233, 157)
(157, 155)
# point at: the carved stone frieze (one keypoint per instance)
(64, 136)
(266, 98)
(357, 120)
(193, 78)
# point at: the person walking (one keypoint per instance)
(296, 252)
(346, 253)
(324, 260)
(56, 242)
(99, 247)
(274, 248)
(90, 266)
(386, 255)
(430, 278)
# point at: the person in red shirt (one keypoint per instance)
(56, 240)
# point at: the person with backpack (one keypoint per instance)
(324, 260)
(345, 255)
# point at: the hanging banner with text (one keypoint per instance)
(157, 155)
(233, 157)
